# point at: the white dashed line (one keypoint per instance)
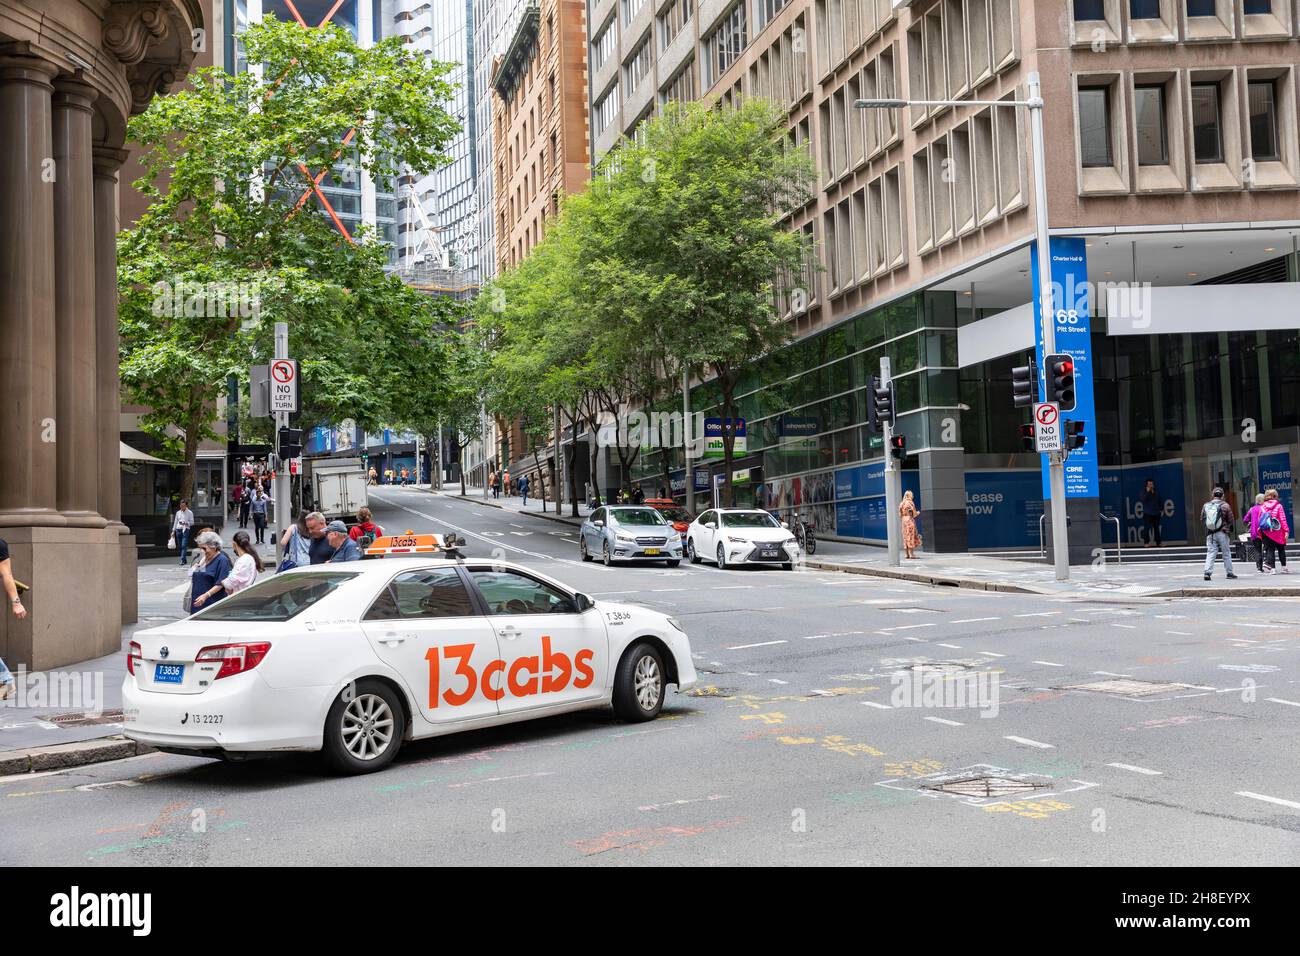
(1048, 664)
(1038, 614)
(1180, 633)
(741, 647)
(1129, 766)
(1030, 743)
(907, 627)
(955, 647)
(1127, 627)
(777, 680)
(1278, 800)
(950, 723)
(991, 654)
(872, 703)
(973, 620)
(1111, 674)
(1279, 700)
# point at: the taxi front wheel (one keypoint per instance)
(364, 728)
(639, 684)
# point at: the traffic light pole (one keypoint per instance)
(1056, 459)
(283, 508)
(893, 478)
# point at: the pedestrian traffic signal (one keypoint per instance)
(1024, 384)
(881, 412)
(1074, 436)
(1060, 381)
(898, 446)
(290, 443)
(1027, 437)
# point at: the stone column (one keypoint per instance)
(28, 460)
(108, 401)
(74, 266)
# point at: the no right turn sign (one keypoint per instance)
(1047, 426)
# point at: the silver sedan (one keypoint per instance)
(629, 533)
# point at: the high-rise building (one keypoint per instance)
(1172, 157)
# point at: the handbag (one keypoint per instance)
(171, 541)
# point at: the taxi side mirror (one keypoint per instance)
(583, 603)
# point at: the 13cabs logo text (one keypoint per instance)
(547, 675)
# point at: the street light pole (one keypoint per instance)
(1043, 294)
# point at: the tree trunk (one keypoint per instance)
(461, 458)
(595, 478)
(571, 456)
(541, 476)
(191, 459)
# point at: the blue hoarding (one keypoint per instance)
(1121, 497)
(1003, 508)
(866, 516)
(1073, 332)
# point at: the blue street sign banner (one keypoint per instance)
(1073, 330)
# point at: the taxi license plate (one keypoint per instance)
(169, 673)
(651, 551)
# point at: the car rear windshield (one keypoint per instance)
(675, 514)
(278, 598)
(637, 516)
(749, 519)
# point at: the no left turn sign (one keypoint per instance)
(284, 385)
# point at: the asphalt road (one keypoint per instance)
(809, 741)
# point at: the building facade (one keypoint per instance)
(1172, 155)
(71, 75)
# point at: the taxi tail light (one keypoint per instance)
(133, 654)
(234, 658)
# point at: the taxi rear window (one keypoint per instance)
(278, 598)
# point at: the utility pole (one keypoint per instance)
(483, 439)
(281, 494)
(893, 475)
(559, 463)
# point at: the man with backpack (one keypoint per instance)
(1216, 515)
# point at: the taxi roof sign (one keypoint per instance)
(408, 544)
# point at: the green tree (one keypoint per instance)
(231, 165)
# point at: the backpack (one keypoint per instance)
(1269, 521)
(1212, 515)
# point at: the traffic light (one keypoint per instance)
(1024, 384)
(898, 447)
(1074, 436)
(1060, 381)
(1027, 437)
(290, 443)
(882, 403)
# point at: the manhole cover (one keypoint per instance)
(987, 786)
(1129, 687)
(83, 720)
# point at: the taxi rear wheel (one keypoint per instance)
(364, 728)
(639, 684)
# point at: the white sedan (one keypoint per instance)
(354, 659)
(730, 536)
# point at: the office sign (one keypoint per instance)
(284, 385)
(713, 438)
(1073, 332)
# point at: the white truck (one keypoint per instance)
(338, 487)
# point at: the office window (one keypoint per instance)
(630, 9)
(765, 10)
(1149, 112)
(1258, 7)
(603, 46)
(637, 68)
(673, 19)
(1207, 127)
(1094, 127)
(682, 88)
(1262, 97)
(725, 44)
(604, 112)
(1089, 9)
(1144, 9)
(1200, 8)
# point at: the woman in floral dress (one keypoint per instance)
(909, 512)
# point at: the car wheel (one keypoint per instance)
(690, 551)
(582, 549)
(639, 684)
(722, 557)
(364, 728)
(605, 555)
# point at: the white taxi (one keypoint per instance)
(354, 659)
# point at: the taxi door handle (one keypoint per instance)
(510, 632)
(392, 640)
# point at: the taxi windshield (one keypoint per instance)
(749, 519)
(637, 516)
(276, 599)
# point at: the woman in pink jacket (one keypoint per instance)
(1271, 525)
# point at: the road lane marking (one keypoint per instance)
(1279, 700)
(955, 647)
(1111, 674)
(1047, 664)
(1127, 627)
(1038, 614)
(777, 680)
(950, 723)
(872, 703)
(1180, 633)
(907, 627)
(741, 647)
(1278, 800)
(991, 654)
(1129, 766)
(1030, 743)
(973, 620)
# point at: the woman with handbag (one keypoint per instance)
(1273, 531)
(295, 544)
(182, 522)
